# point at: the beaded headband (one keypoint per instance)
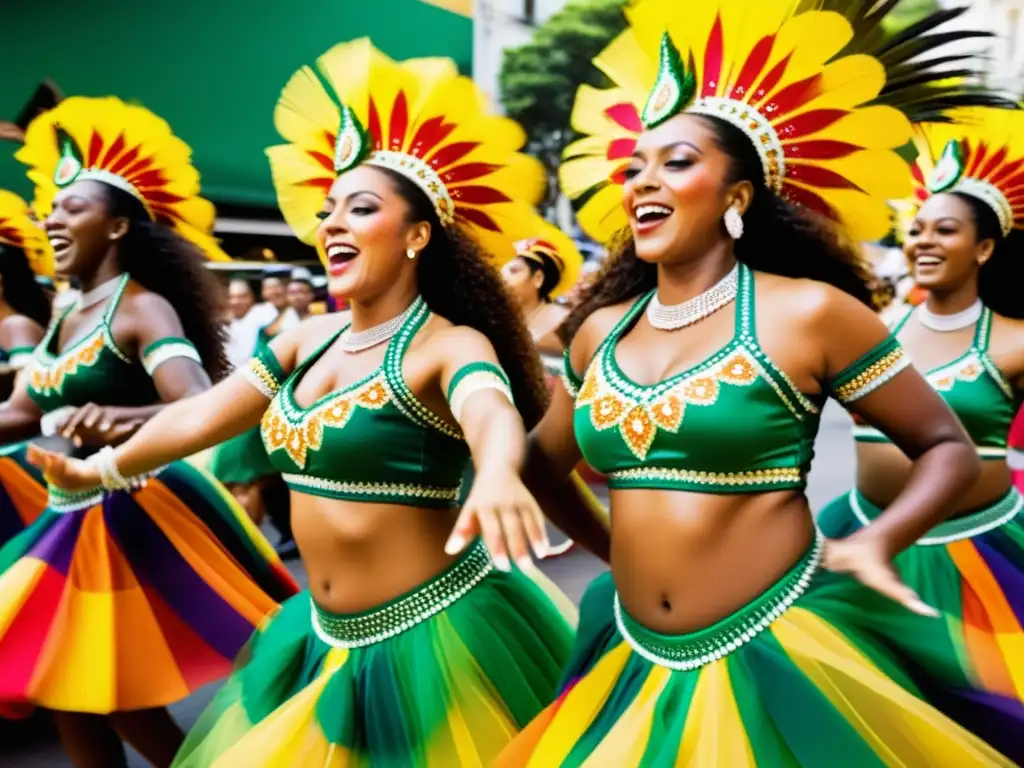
(673, 94)
(949, 176)
(70, 169)
(353, 147)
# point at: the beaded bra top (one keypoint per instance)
(734, 423)
(370, 441)
(974, 389)
(94, 369)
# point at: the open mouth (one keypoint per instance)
(650, 215)
(60, 244)
(339, 257)
(928, 262)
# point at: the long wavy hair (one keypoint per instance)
(1001, 277)
(779, 238)
(457, 282)
(20, 288)
(165, 263)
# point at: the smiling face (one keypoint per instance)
(300, 296)
(240, 298)
(523, 282)
(943, 244)
(366, 232)
(676, 191)
(272, 291)
(81, 228)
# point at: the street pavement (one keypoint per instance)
(22, 746)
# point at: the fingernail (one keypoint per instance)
(502, 563)
(524, 563)
(923, 608)
(454, 545)
(541, 549)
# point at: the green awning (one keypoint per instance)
(212, 68)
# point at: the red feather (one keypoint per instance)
(446, 156)
(625, 116)
(807, 123)
(479, 195)
(95, 147)
(399, 122)
(468, 172)
(808, 200)
(112, 152)
(430, 134)
(770, 81)
(478, 217)
(816, 176)
(820, 149)
(373, 125)
(753, 66)
(620, 148)
(713, 59)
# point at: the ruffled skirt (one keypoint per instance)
(122, 601)
(22, 492)
(789, 680)
(971, 569)
(443, 676)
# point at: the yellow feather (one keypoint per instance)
(135, 129)
(19, 230)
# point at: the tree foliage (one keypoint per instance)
(538, 81)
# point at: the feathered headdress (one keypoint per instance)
(125, 146)
(19, 230)
(549, 241)
(796, 81)
(981, 154)
(419, 118)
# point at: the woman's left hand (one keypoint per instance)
(866, 560)
(506, 516)
(101, 424)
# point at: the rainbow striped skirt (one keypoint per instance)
(22, 492)
(788, 680)
(441, 677)
(970, 568)
(122, 601)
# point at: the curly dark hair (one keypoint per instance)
(21, 290)
(1000, 278)
(167, 264)
(539, 261)
(457, 282)
(779, 238)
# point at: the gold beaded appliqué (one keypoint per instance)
(639, 421)
(297, 438)
(47, 379)
(874, 376)
(945, 378)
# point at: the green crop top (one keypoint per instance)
(94, 369)
(372, 440)
(734, 423)
(973, 388)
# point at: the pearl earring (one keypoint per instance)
(734, 223)
(410, 254)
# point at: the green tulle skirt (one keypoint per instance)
(791, 680)
(445, 691)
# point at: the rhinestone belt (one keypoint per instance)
(357, 630)
(695, 649)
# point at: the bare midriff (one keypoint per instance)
(683, 561)
(883, 471)
(359, 555)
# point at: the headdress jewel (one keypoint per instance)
(949, 176)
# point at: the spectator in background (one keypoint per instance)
(300, 292)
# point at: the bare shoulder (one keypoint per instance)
(808, 303)
(1009, 327)
(311, 333)
(144, 302)
(596, 328)
(19, 326)
(449, 336)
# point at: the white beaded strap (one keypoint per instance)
(110, 476)
(472, 383)
(261, 377)
(158, 354)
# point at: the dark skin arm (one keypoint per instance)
(19, 416)
(552, 453)
(143, 318)
(919, 422)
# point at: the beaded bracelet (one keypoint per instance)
(110, 476)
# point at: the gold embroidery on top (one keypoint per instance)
(874, 376)
(47, 379)
(639, 422)
(968, 370)
(308, 434)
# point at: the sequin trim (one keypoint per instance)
(342, 489)
(63, 502)
(874, 376)
(771, 477)
(260, 376)
(697, 649)
(957, 528)
(401, 615)
(166, 352)
(570, 387)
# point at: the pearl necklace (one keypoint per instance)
(949, 323)
(673, 317)
(357, 341)
(94, 296)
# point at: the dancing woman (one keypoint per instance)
(967, 339)
(118, 602)
(728, 632)
(24, 315)
(402, 653)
